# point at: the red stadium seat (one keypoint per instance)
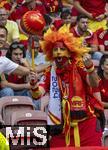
(106, 117)
(29, 117)
(10, 104)
(105, 138)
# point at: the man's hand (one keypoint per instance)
(100, 17)
(87, 60)
(33, 78)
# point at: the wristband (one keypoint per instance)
(35, 89)
(33, 82)
(90, 70)
(90, 66)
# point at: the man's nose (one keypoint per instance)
(18, 56)
(58, 50)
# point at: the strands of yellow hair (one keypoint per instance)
(73, 44)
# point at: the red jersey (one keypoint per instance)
(96, 7)
(90, 37)
(15, 79)
(103, 86)
(83, 87)
(52, 5)
(103, 39)
(23, 9)
(103, 89)
(45, 83)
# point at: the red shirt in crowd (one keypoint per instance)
(52, 5)
(103, 86)
(103, 89)
(95, 7)
(103, 38)
(15, 79)
(23, 9)
(91, 38)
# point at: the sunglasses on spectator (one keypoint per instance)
(14, 46)
(1, 15)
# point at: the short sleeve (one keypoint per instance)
(7, 66)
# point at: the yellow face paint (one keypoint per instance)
(60, 52)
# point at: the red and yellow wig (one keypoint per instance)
(73, 44)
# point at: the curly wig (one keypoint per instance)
(74, 45)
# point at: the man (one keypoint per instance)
(90, 38)
(68, 82)
(53, 6)
(94, 10)
(12, 27)
(6, 65)
(27, 5)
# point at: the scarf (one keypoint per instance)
(54, 107)
(72, 102)
(76, 90)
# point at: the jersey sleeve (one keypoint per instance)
(7, 66)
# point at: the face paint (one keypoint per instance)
(60, 50)
(60, 53)
(61, 61)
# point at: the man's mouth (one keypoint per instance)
(59, 59)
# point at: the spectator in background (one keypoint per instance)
(3, 2)
(12, 27)
(66, 15)
(94, 10)
(64, 18)
(103, 84)
(17, 84)
(3, 38)
(11, 6)
(90, 39)
(103, 39)
(53, 7)
(6, 65)
(28, 5)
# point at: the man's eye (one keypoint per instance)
(55, 49)
(63, 49)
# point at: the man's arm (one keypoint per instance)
(78, 6)
(67, 3)
(36, 90)
(92, 77)
(70, 2)
(14, 86)
(20, 70)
